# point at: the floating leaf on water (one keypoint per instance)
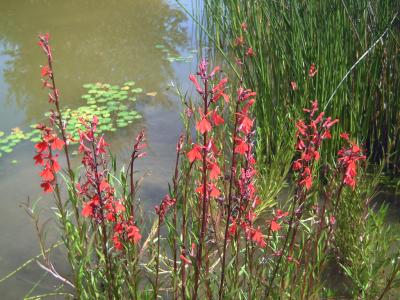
(130, 83)
(152, 94)
(133, 99)
(111, 103)
(137, 90)
(122, 124)
(129, 118)
(159, 46)
(91, 102)
(92, 91)
(125, 88)
(88, 85)
(1, 133)
(8, 150)
(165, 50)
(14, 161)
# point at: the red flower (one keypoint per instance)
(258, 237)
(275, 225)
(193, 79)
(312, 71)
(250, 52)
(194, 153)
(204, 125)
(42, 146)
(215, 171)
(345, 136)
(185, 260)
(217, 119)
(45, 71)
(133, 233)
(57, 144)
(215, 192)
(246, 125)
(87, 210)
(241, 146)
(47, 187)
(38, 159)
(293, 85)
(47, 173)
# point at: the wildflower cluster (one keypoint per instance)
(100, 203)
(46, 158)
(310, 135)
(347, 161)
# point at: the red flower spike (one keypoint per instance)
(312, 71)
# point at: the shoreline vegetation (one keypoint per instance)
(275, 171)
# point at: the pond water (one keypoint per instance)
(93, 41)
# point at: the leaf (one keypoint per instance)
(152, 94)
(137, 90)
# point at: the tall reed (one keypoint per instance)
(289, 36)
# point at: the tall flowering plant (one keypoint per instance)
(219, 243)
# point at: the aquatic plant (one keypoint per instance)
(112, 104)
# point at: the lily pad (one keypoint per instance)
(137, 90)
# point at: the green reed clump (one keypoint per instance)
(287, 37)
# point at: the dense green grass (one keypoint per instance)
(288, 36)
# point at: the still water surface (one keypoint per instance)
(93, 41)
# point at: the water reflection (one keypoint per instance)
(107, 41)
(93, 41)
